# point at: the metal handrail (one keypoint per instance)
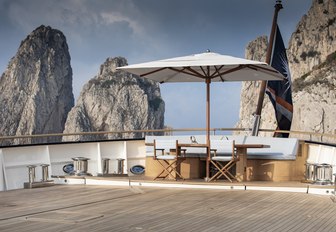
(166, 131)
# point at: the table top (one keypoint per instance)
(205, 145)
(192, 145)
(252, 145)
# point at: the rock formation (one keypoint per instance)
(311, 55)
(36, 88)
(314, 38)
(314, 97)
(255, 50)
(115, 100)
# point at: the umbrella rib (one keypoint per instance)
(204, 73)
(154, 71)
(191, 71)
(251, 66)
(230, 71)
(217, 71)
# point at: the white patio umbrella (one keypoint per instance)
(204, 67)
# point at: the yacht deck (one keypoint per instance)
(139, 208)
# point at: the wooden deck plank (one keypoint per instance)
(155, 209)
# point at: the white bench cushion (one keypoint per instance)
(222, 158)
(166, 157)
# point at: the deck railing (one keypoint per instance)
(107, 135)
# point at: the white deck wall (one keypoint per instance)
(14, 160)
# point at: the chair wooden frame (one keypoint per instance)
(169, 159)
(224, 163)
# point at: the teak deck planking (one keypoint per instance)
(108, 208)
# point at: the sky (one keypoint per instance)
(147, 30)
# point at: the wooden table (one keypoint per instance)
(241, 165)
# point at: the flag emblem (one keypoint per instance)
(280, 92)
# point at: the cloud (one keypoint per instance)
(117, 17)
(82, 21)
(28, 14)
(71, 14)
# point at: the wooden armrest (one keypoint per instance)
(183, 151)
(214, 151)
(159, 149)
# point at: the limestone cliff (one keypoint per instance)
(116, 101)
(255, 50)
(314, 98)
(311, 55)
(36, 88)
(314, 38)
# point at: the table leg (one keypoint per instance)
(241, 165)
(207, 171)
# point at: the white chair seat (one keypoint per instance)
(166, 157)
(169, 158)
(222, 158)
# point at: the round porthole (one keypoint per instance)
(137, 169)
(68, 168)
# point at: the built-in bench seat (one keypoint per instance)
(279, 148)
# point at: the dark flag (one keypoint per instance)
(280, 92)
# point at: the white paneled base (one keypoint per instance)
(107, 182)
(14, 160)
(69, 181)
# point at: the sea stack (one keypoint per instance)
(115, 100)
(36, 88)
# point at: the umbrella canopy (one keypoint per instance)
(205, 67)
(198, 67)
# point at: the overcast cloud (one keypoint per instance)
(145, 30)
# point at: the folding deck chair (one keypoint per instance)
(169, 158)
(223, 157)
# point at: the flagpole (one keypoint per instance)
(255, 129)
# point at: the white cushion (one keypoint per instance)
(326, 155)
(222, 158)
(165, 144)
(222, 146)
(313, 153)
(280, 148)
(166, 157)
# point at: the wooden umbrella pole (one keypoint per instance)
(278, 7)
(208, 81)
